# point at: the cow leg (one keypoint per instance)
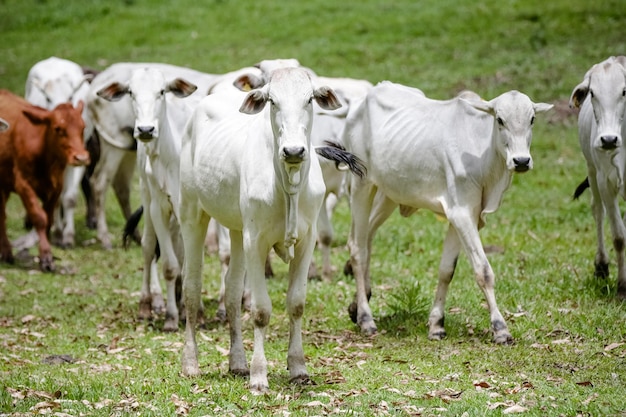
(171, 268)
(103, 173)
(451, 250)
(601, 261)
(122, 185)
(261, 308)
(370, 210)
(224, 253)
(325, 236)
(39, 219)
(234, 283)
(296, 297)
(64, 220)
(194, 224)
(6, 254)
(467, 232)
(619, 237)
(148, 247)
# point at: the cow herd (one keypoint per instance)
(263, 153)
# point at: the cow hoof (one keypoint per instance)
(347, 268)
(602, 270)
(437, 335)
(240, 372)
(352, 310)
(503, 338)
(221, 315)
(301, 380)
(46, 265)
(368, 328)
(158, 305)
(170, 325)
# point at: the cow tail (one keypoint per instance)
(581, 188)
(342, 158)
(131, 225)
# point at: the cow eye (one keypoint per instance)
(162, 92)
(591, 93)
(532, 120)
(500, 121)
(624, 92)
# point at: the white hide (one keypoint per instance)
(455, 158)
(158, 130)
(256, 175)
(601, 97)
(114, 123)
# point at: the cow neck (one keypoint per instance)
(498, 177)
(292, 178)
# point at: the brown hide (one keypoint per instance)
(34, 152)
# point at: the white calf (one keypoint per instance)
(255, 175)
(158, 129)
(601, 97)
(455, 158)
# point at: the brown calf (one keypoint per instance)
(34, 152)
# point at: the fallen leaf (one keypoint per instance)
(514, 409)
(27, 318)
(585, 384)
(612, 346)
(591, 398)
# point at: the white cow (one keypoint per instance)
(258, 177)
(158, 127)
(601, 97)
(455, 158)
(328, 125)
(51, 82)
(114, 124)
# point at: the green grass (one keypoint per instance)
(570, 333)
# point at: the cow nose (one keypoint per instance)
(145, 131)
(294, 153)
(81, 159)
(608, 141)
(522, 163)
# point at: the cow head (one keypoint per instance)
(514, 115)
(147, 88)
(290, 93)
(604, 88)
(64, 131)
(62, 89)
(4, 125)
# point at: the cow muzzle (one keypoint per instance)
(609, 142)
(294, 154)
(145, 133)
(80, 159)
(522, 163)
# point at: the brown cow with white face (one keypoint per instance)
(34, 152)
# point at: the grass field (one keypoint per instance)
(70, 343)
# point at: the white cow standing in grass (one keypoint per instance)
(256, 175)
(160, 117)
(455, 158)
(49, 83)
(601, 97)
(114, 125)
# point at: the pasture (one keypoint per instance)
(70, 342)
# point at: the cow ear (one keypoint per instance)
(4, 125)
(248, 82)
(542, 107)
(254, 102)
(36, 114)
(482, 105)
(113, 92)
(579, 94)
(326, 98)
(181, 88)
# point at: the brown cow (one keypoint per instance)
(34, 152)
